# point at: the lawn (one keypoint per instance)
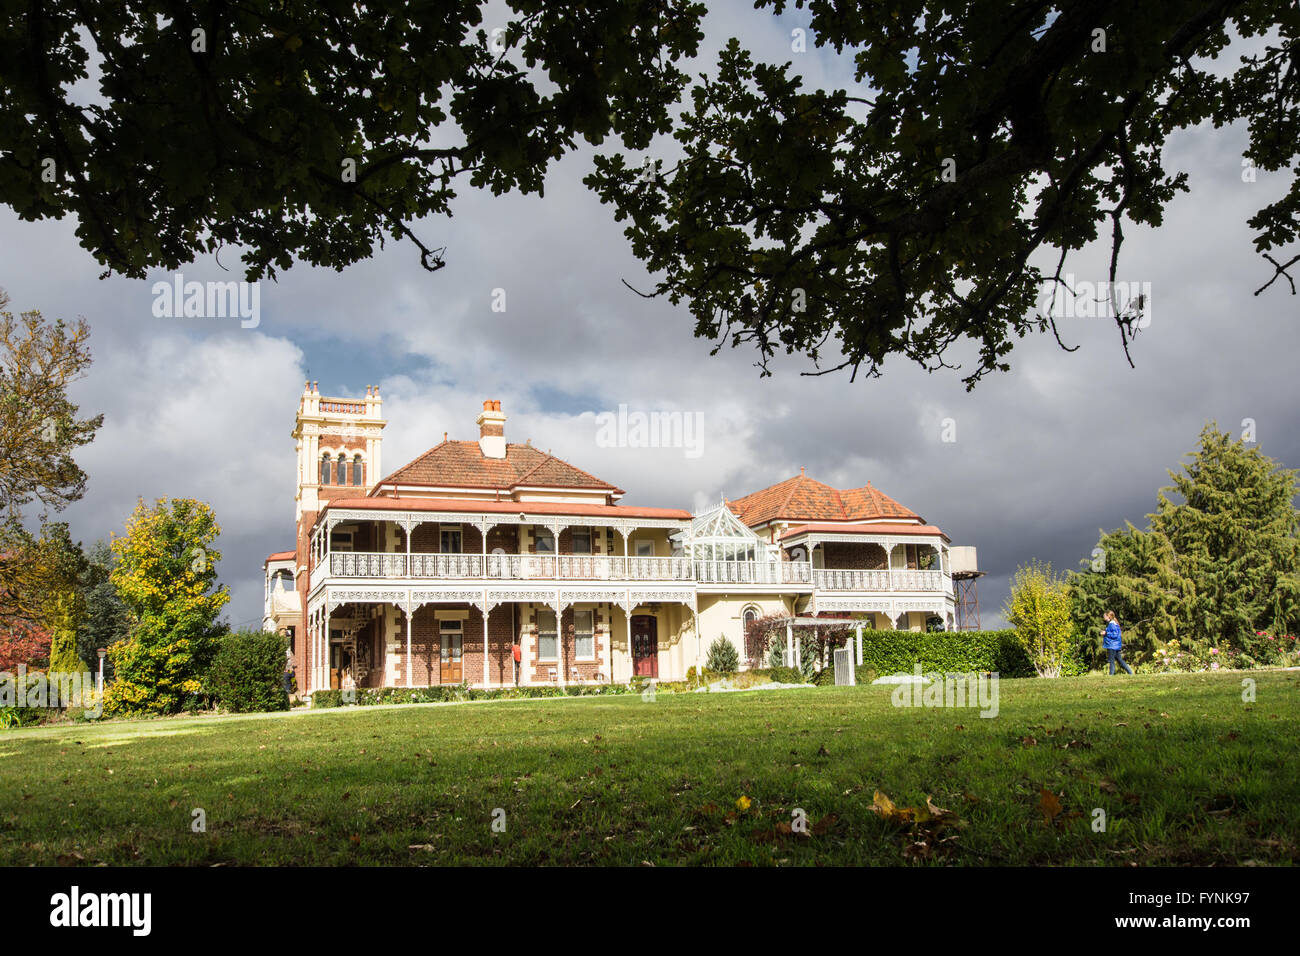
(1185, 771)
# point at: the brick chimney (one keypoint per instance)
(491, 430)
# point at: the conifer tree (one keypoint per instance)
(1218, 565)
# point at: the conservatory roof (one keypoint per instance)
(720, 523)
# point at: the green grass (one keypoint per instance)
(1186, 772)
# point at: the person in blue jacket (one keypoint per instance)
(1113, 643)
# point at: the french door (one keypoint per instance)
(645, 646)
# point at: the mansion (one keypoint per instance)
(436, 572)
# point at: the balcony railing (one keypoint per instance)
(510, 567)
(361, 564)
(835, 579)
(604, 567)
(752, 572)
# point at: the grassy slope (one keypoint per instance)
(1186, 771)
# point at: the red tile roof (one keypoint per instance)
(883, 527)
(805, 499)
(280, 556)
(462, 464)
(474, 505)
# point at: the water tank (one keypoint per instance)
(962, 560)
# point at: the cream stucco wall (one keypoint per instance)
(722, 615)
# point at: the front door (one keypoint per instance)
(452, 637)
(645, 647)
(336, 660)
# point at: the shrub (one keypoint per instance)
(247, 674)
(895, 652)
(786, 675)
(326, 698)
(1039, 607)
(760, 635)
(701, 675)
(21, 716)
(776, 654)
(723, 657)
(157, 674)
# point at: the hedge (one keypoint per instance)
(898, 652)
(440, 693)
(247, 674)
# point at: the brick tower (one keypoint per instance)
(339, 442)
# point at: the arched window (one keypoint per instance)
(755, 644)
(325, 469)
(342, 478)
(356, 469)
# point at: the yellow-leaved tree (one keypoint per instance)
(1039, 610)
(166, 576)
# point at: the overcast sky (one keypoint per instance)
(1045, 456)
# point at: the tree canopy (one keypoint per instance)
(39, 431)
(166, 576)
(899, 215)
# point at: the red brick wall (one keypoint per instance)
(567, 663)
(854, 557)
(427, 539)
(504, 537)
(426, 651)
(303, 639)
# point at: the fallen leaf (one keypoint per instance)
(1049, 805)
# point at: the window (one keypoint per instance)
(645, 548)
(342, 478)
(584, 635)
(449, 539)
(452, 633)
(545, 541)
(547, 644)
(356, 469)
(341, 541)
(749, 617)
(325, 469)
(582, 541)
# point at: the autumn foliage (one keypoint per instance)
(166, 576)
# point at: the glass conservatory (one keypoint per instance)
(723, 550)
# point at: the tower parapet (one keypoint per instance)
(339, 445)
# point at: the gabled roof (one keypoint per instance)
(875, 528)
(805, 499)
(720, 522)
(462, 464)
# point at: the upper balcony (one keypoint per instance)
(898, 579)
(615, 568)
(509, 567)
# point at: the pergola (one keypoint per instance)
(793, 651)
